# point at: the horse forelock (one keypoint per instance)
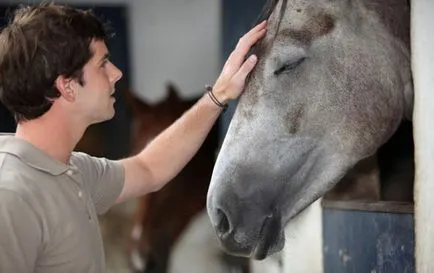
(268, 9)
(259, 48)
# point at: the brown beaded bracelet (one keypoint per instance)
(208, 88)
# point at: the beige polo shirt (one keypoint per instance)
(48, 210)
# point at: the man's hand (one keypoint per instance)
(230, 83)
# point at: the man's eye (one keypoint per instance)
(289, 66)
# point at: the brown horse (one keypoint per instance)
(162, 216)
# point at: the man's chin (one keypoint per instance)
(106, 117)
(109, 117)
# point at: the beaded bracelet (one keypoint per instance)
(208, 88)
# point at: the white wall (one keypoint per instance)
(177, 40)
(170, 40)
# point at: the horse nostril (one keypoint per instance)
(223, 225)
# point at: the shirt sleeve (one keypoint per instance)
(103, 177)
(20, 234)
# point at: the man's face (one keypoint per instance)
(95, 98)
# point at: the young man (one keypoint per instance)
(56, 78)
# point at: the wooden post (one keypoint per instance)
(422, 41)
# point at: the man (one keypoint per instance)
(56, 78)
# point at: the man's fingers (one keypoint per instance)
(241, 51)
(257, 28)
(237, 56)
(245, 69)
(254, 39)
(251, 38)
(255, 33)
(234, 84)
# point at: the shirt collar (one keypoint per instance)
(31, 155)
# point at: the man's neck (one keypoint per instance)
(54, 135)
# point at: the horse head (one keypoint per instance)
(332, 84)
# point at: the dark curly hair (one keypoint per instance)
(39, 44)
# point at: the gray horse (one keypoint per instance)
(332, 85)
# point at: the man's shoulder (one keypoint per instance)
(91, 164)
(11, 167)
(83, 162)
(12, 186)
(14, 177)
(81, 158)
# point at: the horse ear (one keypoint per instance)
(133, 102)
(172, 91)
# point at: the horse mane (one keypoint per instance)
(265, 14)
(269, 8)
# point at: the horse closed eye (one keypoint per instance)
(289, 66)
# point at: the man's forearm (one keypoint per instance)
(168, 153)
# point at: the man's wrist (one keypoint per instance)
(217, 97)
(220, 94)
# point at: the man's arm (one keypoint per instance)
(168, 153)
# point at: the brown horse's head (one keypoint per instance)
(332, 84)
(162, 216)
(151, 119)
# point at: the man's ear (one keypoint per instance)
(65, 86)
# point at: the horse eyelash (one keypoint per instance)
(289, 66)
